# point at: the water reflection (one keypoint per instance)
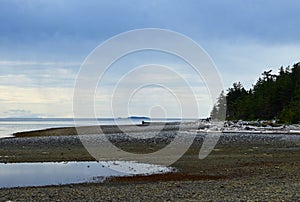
(39, 174)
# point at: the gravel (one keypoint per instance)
(224, 190)
(254, 167)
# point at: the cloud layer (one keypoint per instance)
(43, 44)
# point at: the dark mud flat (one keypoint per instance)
(241, 167)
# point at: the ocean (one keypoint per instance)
(9, 126)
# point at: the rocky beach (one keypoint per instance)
(242, 166)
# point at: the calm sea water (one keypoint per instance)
(8, 126)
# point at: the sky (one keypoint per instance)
(44, 43)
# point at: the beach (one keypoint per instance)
(241, 167)
(149, 100)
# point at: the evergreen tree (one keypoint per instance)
(271, 97)
(219, 109)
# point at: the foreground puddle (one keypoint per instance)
(40, 174)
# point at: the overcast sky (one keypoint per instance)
(43, 44)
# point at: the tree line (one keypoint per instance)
(272, 97)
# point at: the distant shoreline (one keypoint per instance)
(105, 129)
(199, 127)
(9, 126)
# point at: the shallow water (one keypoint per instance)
(50, 173)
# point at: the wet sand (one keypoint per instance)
(241, 167)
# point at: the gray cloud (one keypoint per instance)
(22, 74)
(241, 36)
(21, 113)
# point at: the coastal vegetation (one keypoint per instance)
(272, 97)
